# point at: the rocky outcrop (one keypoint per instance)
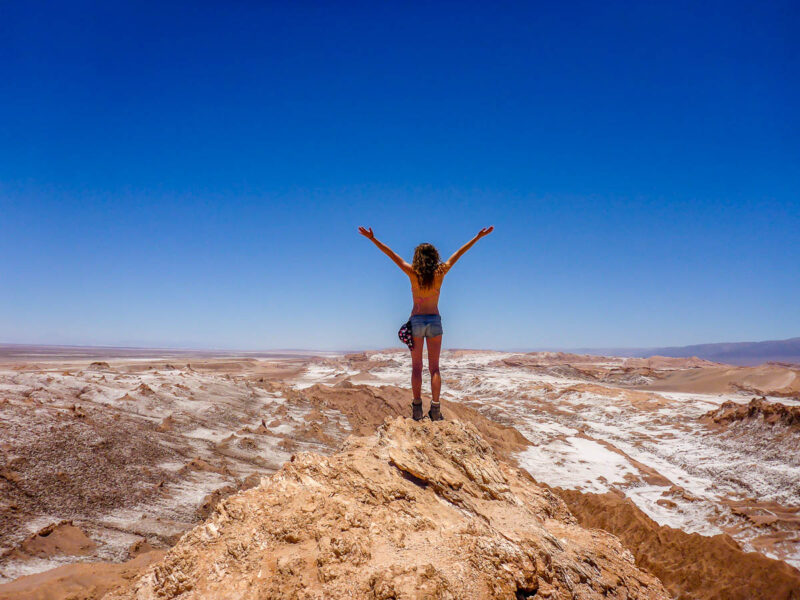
(417, 510)
(758, 408)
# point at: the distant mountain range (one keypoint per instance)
(734, 353)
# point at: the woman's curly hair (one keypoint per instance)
(426, 263)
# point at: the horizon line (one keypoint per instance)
(580, 349)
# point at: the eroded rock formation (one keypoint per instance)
(757, 408)
(417, 510)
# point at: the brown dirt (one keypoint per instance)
(691, 566)
(58, 538)
(80, 581)
(81, 465)
(764, 380)
(417, 510)
(140, 547)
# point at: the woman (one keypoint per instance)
(426, 273)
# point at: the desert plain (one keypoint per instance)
(110, 457)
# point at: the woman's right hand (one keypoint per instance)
(485, 231)
(367, 233)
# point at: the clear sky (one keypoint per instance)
(193, 174)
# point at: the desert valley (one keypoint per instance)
(110, 459)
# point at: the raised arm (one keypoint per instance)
(367, 233)
(460, 252)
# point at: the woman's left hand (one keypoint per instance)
(367, 233)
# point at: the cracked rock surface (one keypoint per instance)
(417, 510)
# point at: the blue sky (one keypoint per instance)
(192, 174)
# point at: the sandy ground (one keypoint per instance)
(104, 458)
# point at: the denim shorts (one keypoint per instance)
(426, 325)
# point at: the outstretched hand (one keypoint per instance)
(485, 231)
(367, 233)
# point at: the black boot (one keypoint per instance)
(435, 413)
(416, 410)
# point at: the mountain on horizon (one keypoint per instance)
(734, 353)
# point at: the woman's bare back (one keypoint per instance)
(426, 300)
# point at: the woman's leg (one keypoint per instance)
(416, 367)
(416, 378)
(434, 348)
